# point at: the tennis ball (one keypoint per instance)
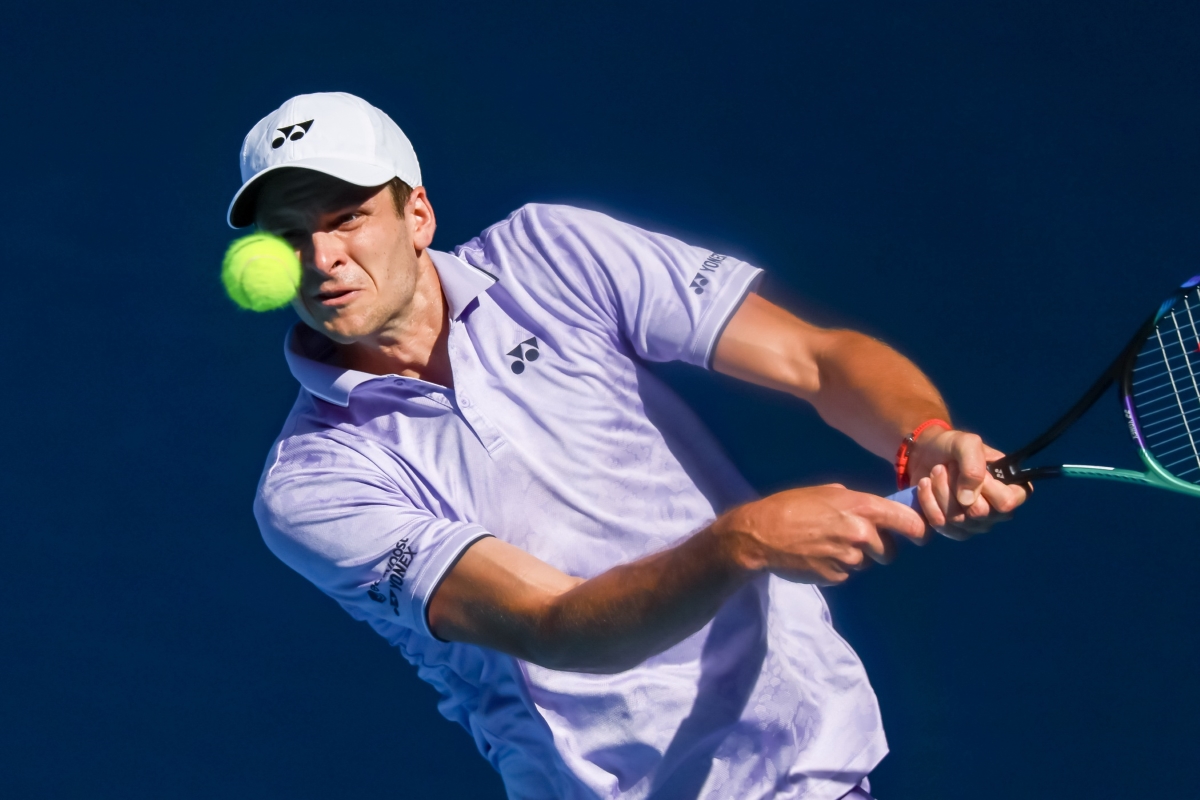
(261, 272)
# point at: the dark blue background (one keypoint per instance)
(1001, 190)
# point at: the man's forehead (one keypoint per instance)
(303, 192)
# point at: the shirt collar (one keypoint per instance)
(461, 282)
(307, 351)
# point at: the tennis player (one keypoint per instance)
(481, 467)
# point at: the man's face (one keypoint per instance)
(359, 254)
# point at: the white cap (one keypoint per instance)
(331, 132)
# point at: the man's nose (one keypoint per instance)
(327, 252)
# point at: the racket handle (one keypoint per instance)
(907, 497)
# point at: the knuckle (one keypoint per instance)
(858, 533)
(971, 441)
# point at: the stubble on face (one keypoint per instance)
(367, 283)
(359, 266)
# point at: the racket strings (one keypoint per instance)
(1166, 389)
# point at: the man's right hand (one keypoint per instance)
(817, 535)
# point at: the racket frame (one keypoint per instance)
(1010, 470)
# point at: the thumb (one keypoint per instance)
(969, 453)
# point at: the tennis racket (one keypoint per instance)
(1158, 383)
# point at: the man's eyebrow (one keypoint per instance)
(342, 210)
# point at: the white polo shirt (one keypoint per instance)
(558, 439)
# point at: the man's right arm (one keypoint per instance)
(501, 597)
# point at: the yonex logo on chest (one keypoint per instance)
(709, 266)
(526, 351)
(291, 132)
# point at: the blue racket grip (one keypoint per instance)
(907, 497)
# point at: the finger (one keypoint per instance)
(854, 559)
(978, 510)
(956, 514)
(994, 504)
(857, 559)
(884, 513)
(981, 519)
(942, 479)
(972, 527)
(1002, 497)
(955, 532)
(863, 542)
(832, 575)
(929, 507)
(969, 455)
(889, 547)
(879, 547)
(939, 480)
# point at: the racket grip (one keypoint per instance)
(907, 497)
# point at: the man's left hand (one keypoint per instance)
(957, 494)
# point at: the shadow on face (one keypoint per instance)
(293, 200)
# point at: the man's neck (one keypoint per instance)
(414, 344)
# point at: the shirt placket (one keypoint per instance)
(465, 396)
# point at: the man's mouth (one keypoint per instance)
(335, 297)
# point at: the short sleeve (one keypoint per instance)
(668, 300)
(328, 511)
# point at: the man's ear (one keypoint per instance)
(418, 215)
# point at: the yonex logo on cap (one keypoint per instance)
(358, 144)
(293, 132)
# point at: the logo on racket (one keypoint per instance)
(291, 132)
(525, 351)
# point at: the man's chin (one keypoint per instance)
(342, 326)
(338, 329)
(343, 334)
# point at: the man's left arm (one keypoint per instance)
(877, 397)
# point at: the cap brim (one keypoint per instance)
(241, 210)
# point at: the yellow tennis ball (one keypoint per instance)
(261, 272)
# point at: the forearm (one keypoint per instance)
(501, 597)
(869, 391)
(858, 385)
(812, 535)
(631, 612)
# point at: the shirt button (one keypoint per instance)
(464, 401)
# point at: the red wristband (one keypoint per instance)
(902, 479)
